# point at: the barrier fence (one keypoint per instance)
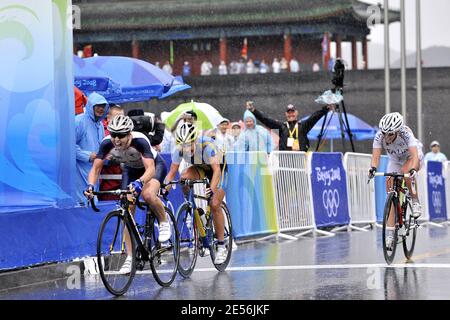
(361, 194)
(289, 195)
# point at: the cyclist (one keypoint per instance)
(144, 171)
(205, 161)
(405, 156)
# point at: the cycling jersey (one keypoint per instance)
(131, 156)
(205, 148)
(398, 150)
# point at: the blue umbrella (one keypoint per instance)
(360, 129)
(89, 79)
(178, 85)
(139, 80)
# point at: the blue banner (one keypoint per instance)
(436, 191)
(329, 189)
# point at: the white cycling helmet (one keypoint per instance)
(391, 122)
(121, 124)
(186, 133)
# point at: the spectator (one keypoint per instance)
(331, 65)
(157, 64)
(223, 139)
(80, 100)
(284, 65)
(110, 167)
(186, 69)
(89, 134)
(263, 67)
(276, 66)
(234, 67)
(250, 67)
(255, 137)
(435, 154)
(235, 133)
(206, 68)
(293, 133)
(294, 65)
(167, 68)
(241, 66)
(223, 68)
(316, 67)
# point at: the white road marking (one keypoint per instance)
(322, 266)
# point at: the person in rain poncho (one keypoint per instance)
(89, 133)
(254, 137)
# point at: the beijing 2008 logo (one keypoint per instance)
(437, 201)
(330, 199)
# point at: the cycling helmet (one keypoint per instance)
(121, 124)
(391, 122)
(186, 133)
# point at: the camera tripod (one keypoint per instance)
(338, 81)
(343, 124)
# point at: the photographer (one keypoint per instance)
(148, 124)
(293, 133)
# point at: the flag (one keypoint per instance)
(326, 54)
(171, 52)
(244, 49)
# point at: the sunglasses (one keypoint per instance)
(118, 135)
(389, 134)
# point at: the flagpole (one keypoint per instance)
(419, 71)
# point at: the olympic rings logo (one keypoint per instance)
(436, 198)
(330, 199)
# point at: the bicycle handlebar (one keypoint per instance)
(187, 182)
(117, 192)
(392, 174)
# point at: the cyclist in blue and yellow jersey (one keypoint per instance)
(204, 160)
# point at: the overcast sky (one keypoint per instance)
(435, 24)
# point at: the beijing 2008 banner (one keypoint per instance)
(37, 152)
(436, 191)
(329, 190)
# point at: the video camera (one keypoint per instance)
(144, 122)
(338, 75)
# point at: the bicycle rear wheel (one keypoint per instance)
(389, 252)
(409, 239)
(112, 252)
(188, 240)
(228, 238)
(165, 256)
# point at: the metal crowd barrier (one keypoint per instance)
(292, 186)
(361, 195)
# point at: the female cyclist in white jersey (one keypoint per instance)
(405, 156)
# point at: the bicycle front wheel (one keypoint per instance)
(112, 252)
(389, 210)
(409, 239)
(188, 240)
(165, 256)
(228, 239)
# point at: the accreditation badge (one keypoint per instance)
(290, 142)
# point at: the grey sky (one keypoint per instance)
(435, 24)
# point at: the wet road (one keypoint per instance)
(347, 266)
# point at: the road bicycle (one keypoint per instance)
(398, 202)
(196, 228)
(114, 245)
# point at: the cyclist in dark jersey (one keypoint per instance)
(205, 160)
(144, 169)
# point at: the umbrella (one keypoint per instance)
(360, 129)
(207, 116)
(178, 85)
(89, 79)
(124, 79)
(138, 80)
